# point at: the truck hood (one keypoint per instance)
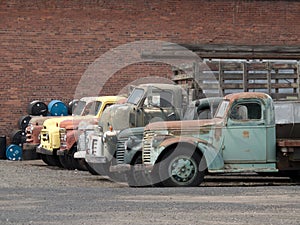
(78, 121)
(116, 116)
(184, 125)
(55, 121)
(39, 120)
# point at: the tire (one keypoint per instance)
(138, 178)
(115, 176)
(78, 164)
(90, 169)
(66, 162)
(54, 160)
(45, 160)
(181, 168)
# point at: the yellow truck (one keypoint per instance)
(50, 134)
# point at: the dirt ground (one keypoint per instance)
(33, 193)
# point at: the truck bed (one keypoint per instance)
(287, 118)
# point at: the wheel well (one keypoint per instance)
(133, 159)
(172, 147)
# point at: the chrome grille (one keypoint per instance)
(120, 150)
(81, 143)
(148, 136)
(94, 146)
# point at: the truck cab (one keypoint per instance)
(240, 138)
(146, 103)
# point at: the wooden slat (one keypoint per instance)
(245, 51)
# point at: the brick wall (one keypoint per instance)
(47, 45)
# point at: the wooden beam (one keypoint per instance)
(240, 51)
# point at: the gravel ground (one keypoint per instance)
(33, 193)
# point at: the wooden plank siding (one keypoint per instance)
(220, 77)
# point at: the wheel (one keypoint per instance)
(90, 169)
(100, 168)
(182, 168)
(45, 160)
(78, 164)
(54, 160)
(66, 162)
(138, 178)
(115, 176)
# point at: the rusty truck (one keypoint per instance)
(146, 103)
(247, 134)
(50, 133)
(129, 141)
(69, 132)
(35, 126)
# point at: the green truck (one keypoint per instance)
(129, 141)
(247, 134)
(147, 103)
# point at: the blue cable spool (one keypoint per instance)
(14, 152)
(57, 108)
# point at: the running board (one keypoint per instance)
(242, 168)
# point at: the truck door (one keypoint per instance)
(245, 133)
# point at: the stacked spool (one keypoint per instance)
(18, 137)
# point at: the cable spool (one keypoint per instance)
(18, 137)
(72, 105)
(24, 121)
(57, 108)
(2, 147)
(37, 108)
(14, 152)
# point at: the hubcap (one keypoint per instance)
(183, 169)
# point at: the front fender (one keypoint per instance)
(213, 157)
(72, 136)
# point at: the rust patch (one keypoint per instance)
(246, 134)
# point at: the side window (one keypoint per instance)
(165, 99)
(161, 99)
(107, 105)
(246, 111)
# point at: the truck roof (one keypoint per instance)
(161, 85)
(109, 98)
(236, 96)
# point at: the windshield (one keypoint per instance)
(222, 109)
(160, 98)
(116, 116)
(135, 96)
(78, 108)
(92, 108)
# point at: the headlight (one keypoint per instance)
(31, 128)
(159, 137)
(99, 129)
(161, 132)
(63, 134)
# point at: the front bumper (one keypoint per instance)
(95, 159)
(128, 167)
(120, 168)
(80, 155)
(44, 151)
(29, 146)
(61, 152)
